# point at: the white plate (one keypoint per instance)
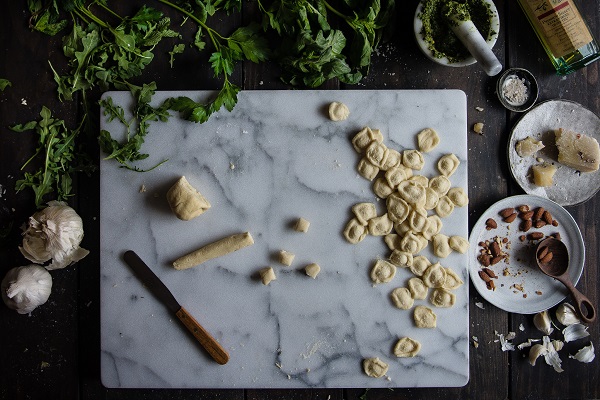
(570, 186)
(542, 292)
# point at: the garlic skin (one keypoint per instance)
(585, 354)
(54, 233)
(25, 288)
(566, 315)
(542, 322)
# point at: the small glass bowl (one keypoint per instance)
(511, 100)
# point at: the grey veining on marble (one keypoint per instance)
(274, 158)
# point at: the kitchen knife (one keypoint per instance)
(158, 289)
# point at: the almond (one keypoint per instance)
(484, 276)
(547, 217)
(510, 218)
(491, 224)
(556, 235)
(535, 235)
(526, 215)
(539, 223)
(484, 259)
(491, 285)
(495, 249)
(490, 273)
(506, 212)
(526, 225)
(538, 213)
(547, 258)
(523, 208)
(496, 260)
(554, 223)
(542, 253)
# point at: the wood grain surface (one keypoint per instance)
(55, 354)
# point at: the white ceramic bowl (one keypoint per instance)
(418, 25)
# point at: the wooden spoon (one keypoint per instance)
(552, 258)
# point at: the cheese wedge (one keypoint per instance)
(577, 150)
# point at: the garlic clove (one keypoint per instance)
(566, 314)
(575, 332)
(535, 352)
(558, 344)
(543, 323)
(586, 354)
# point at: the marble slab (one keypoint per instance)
(274, 158)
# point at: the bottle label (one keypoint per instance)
(561, 24)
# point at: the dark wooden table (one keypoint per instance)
(55, 352)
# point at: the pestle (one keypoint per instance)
(460, 22)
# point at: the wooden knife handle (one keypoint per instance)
(209, 343)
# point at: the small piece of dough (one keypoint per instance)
(392, 240)
(286, 258)
(431, 198)
(448, 164)
(413, 193)
(543, 174)
(212, 250)
(377, 154)
(444, 207)
(441, 245)
(458, 196)
(410, 243)
(383, 271)
(267, 275)
(185, 201)
(338, 111)
(419, 265)
(382, 188)
(366, 169)
(364, 137)
(413, 159)
(407, 347)
(401, 258)
(434, 276)
(398, 208)
(374, 367)
(364, 212)
(380, 226)
(424, 317)
(452, 281)
(393, 160)
(312, 270)
(402, 298)
(418, 289)
(433, 227)
(458, 244)
(441, 184)
(355, 232)
(301, 225)
(417, 220)
(427, 140)
(394, 176)
(440, 297)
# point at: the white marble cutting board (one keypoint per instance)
(274, 158)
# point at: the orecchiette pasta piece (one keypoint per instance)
(338, 111)
(431, 198)
(407, 171)
(402, 228)
(413, 159)
(420, 179)
(366, 169)
(453, 281)
(382, 188)
(412, 193)
(394, 159)
(312, 270)
(394, 176)
(458, 244)
(374, 367)
(402, 298)
(364, 212)
(433, 227)
(383, 271)
(448, 164)
(424, 317)
(355, 232)
(417, 219)
(364, 137)
(407, 347)
(380, 226)
(377, 154)
(441, 245)
(442, 298)
(434, 276)
(440, 184)
(392, 240)
(397, 208)
(458, 196)
(422, 242)
(427, 140)
(410, 243)
(444, 207)
(419, 265)
(417, 288)
(401, 258)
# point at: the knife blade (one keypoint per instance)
(160, 291)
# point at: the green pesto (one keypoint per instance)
(437, 33)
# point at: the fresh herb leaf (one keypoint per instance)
(177, 49)
(4, 83)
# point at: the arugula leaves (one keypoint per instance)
(312, 52)
(4, 83)
(56, 148)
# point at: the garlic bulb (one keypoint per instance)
(542, 321)
(25, 288)
(566, 314)
(54, 233)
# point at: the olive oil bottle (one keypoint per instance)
(563, 32)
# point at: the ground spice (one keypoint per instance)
(515, 90)
(437, 33)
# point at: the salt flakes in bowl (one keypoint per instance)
(517, 89)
